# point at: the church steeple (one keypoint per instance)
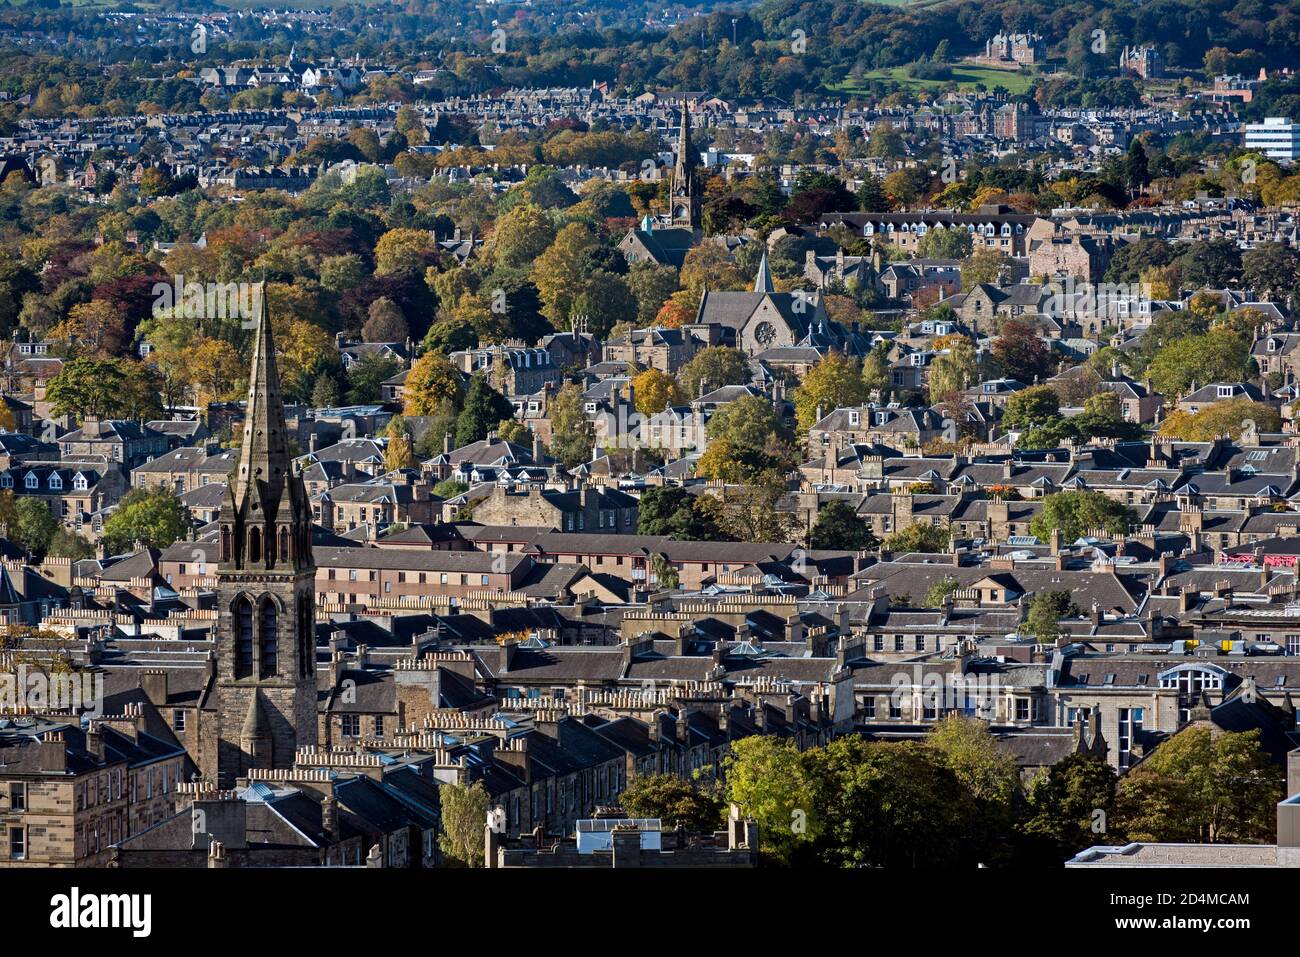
(684, 195)
(265, 683)
(269, 523)
(763, 280)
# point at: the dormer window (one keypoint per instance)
(853, 417)
(1272, 345)
(55, 481)
(32, 480)
(81, 484)
(1225, 392)
(6, 481)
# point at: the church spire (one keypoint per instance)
(266, 520)
(264, 452)
(684, 195)
(763, 281)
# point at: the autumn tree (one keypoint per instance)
(385, 322)
(557, 270)
(432, 383)
(398, 453)
(404, 251)
(833, 383)
(1228, 417)
(1019, 352)
(655, 391)
(521, 235)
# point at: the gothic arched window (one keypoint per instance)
(270, 640)
(242, 615)
(284, 544)
(306, 639)
(225, 543)
(254, 545)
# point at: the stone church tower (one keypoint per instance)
(684, 192)
(265, 684)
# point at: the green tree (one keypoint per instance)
(877, 375)
(1210, 264)
(664, 571)
(1068, 808)
(463, 819)
(35, 525)
(449, 488)
(651, 284)
(1043, 620)
(938, 591)
(1272, 270)
(987, 770)
(838, 527)
(153, 517)
(953, 370)
(766, 779)
(1218, 356)
(918, 537)
(572, 434)
(484, 407)
(673, 511)
(891, 805)
(325, 393)
(674, 802)
(1032, 407)
(943, 243)
(717, 366)
(366, 377)
(88, 387)
(747, 422)
(68, 544)
(1075, 513)
(1203, 787)
(1103, 418)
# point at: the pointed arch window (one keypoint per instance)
(284, 544)
(242, 615)
(254, 545)
(306, 638)
(270, 640)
